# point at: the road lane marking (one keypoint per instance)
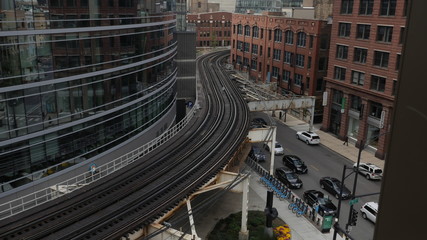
(315, 168)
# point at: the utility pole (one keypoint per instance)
(350, 216)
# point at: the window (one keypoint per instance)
(360, 55)
(323, 64)
(346, 7)
(319, 85)
(363, 31)
(253, 64)
(268, 52)
(381, 59)
(355, 103)
(375, 109)
(344, 29)
(276, 54)
(287, 58)
(397, 62)
(239, 59)
(307, 80)
(260, 67)
(402, 35)
(275, 72)
(311, 39)
(388, 7)
(240, 45)
(298, 79)
(309, 62)
(239, 29)
(289, 37)
(357, 78)
(278, 35)
(247, 30)
(342, 52)
(324, 39)
(366, 7)
(255, 32)
(254, 49)
(337, 97)
(246, 47)
(262, 33)
(245, 62)
(199, 4)
(384, 34)
(260, 50)
(301, 39)
(300, 60)
(377, 83)
(269, 34)
(339, 73)
(286, 76)
(405, 8)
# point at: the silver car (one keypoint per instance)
(369, 170)
(369, 211)
(308, 137)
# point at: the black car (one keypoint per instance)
(326, 207)
(333, 186)
(257, 154)
(258, 123)
(288, 177)
(294, 163)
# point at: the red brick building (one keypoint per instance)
(291, 52)
(213, 29)
(364, 60)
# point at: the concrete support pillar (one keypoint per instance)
(363, 124)
(384, 136)
(273, 141)
(191, 219)
(344, 117)
(327, 110)
(312, 114)
(244, 233)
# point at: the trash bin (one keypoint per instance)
(327, 224)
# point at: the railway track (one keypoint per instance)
(140, 193)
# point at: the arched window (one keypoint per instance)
(247, 30)
(278, 35)
(289, 37)
(239, 29)
(301, 39)
(255, 32)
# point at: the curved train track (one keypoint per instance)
(149, 188)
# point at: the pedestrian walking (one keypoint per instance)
(345, 140)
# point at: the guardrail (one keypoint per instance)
(50, 193)
(283, 192)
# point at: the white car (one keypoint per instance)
(308, 137)
(371, 171)
(369, 211)
(278, 149)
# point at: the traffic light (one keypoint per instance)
(353, 217)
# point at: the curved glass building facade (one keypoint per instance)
(78, 77)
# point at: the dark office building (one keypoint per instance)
(79, 79)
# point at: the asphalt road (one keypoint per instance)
(323, 162)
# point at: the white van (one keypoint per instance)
(369, 211)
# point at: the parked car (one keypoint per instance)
(257, 154)
(371, 171)
(369, 211)
(278, 149)
(258, 123)
(314, 197)
(288, 177)
(308, 137)
(333, 186)
(295, 163)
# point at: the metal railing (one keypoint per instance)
(50, 193)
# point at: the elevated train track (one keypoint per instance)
(144, 191)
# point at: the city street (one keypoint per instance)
(322, 162)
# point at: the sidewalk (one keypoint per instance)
(333, 143)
